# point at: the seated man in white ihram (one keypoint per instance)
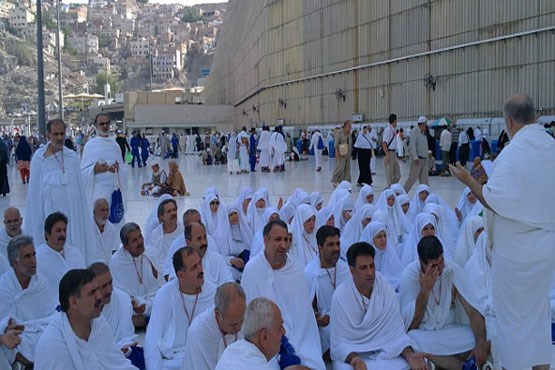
(367, 329)
(432, 292)
(105, 233)
(118, 312)
(175, 307)
(275, 275)
(263, 330)
(323, 274)
(77, 338)
(25, 298)
(134, 273)
(215, 329)
(55, 258)
(164, 234)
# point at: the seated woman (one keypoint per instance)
(157, 184)
(175, 180)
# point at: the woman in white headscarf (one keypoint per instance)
(354, 227)
(404, 202)
(339, 190)
(386, 259)
(236, 239)
(257, 246)
(213, 215)
(418, 201)
(304, 246)
(316, 200)
(398, 189)
(343, 211)
(397, 222)
(468, 205)
(287, 213)
(471, 229)
(443, 232)
(448, 213)
(424, 225)
(325, 217)
(258, 204)
(244, 199)
(298, 197)
(365, 196)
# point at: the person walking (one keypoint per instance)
(363, 145)
(389, 146)
(418, 151)
(23, 154)
(343, 145)
(317, 144)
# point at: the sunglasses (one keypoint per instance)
(103, 123)
(215, 202)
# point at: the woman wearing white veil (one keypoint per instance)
(443, 232)
(304, 246)
(471, 229)
(256, 209)
(324, 217)
(287, 213)
(448, 213)
(316, 200)
(386, 259)
(468, 205)
(398, 189)
(404, 202)
(257, 246)
(343, 210)
(397, 222)
(418, 201)
(244, 199)
(354, 227)
(236, 239)
(340, 189)
(424, 225)
(213, 214)
(365, 196)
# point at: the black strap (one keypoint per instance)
(390, 141)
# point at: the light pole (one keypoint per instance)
(59, 51)
(41, 111)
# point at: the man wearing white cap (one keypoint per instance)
(418, 151)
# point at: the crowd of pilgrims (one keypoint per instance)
(392, 224)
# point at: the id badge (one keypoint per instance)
(142, 291)
(63, 178)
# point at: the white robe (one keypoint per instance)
(215, 266)
(160, 244)
(288, 289)
(264, 147)
(441, 331)
(4, 240)
(243, 152)
(60, 348)
(314, 146)
(321, 285)
(31, 307)
(118, 313)
(278, 147)
(166, 334)
(205, 342)
(46, 194)
(4, 264)
(101, 185)
(466, 244)
(243, 355)
(523, 234)
(365, 325)
(53, 265)
(304, 247)
(106, 242)
(126, 270)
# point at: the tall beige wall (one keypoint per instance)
(268, 44)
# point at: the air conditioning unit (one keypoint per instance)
(357, 117)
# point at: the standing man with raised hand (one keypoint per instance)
(521, 228)
(57, 185)
(389, 146)
(100, 165)
(343, 143)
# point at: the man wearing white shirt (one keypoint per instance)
(118, 312)
(165, 233)
(134, 273)
(265, 150)
(55, 258)
(25, 297)
(464, 147)
(12, 228)
(323, 275)
(175, 307)
(243, 141)
(389, 145)
(215, 329)
(315, 142)
(445, 140)
(367, 328)
(78, 338)
(105, 232)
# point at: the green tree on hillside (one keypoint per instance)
(191, 15)
(101, 79)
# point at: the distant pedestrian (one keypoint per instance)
(4, 160)
(23, 154)
(343, 146)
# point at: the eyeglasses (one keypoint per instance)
(215, 202)
(103, 123)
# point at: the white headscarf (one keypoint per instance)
(246, 193)
(343, 203)
(254, 214)
(416, 205)
(398, 189)
(343, 186)
(212, 221)
(258, 239)
(229, 234)
(396, 221)
(266, 194)
(353, 229)
(409, 252)
(304, 246)
(449, 214)
(323, 216)
(466, 243)
(365, 191)
(466, 208)
(287, 212)
(442, 230)
(298, 197)
(387, 260)
(316, 198)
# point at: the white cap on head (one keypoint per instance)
(422, 119)
(155, 161)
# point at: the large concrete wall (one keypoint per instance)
(286, 59)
